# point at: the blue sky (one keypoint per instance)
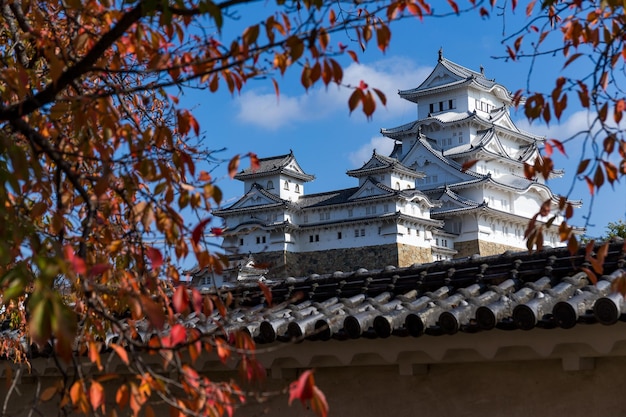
(327, 140)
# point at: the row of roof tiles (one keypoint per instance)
(511, 291)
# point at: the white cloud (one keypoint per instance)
(266, 111)
(575, 123)
(383, 146)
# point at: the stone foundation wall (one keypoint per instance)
(409, 255)
(286, 264)
(370, 257)
(289, 264)
(482, 248)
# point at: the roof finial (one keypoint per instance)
(374, 152)
(440, 53)
(482, 70)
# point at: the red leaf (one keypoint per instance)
(217, 231)
(153, 311)
(197, 231)
(178, 334)
(76, 262)
(302, 389)
(197, 300)
(180, 301)
(363, 85)
(454, 6)
(155, 257)
(98, 269)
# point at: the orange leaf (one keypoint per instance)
(468, 164)
(254, 161)
(267, 293)
(592, 277)
(122, 396)
(48, 393)
(121, 352)
(319, 405)
(223, 350)
(233, 166)
(96, 395)
(590, 185)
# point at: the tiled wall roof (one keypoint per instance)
(511, 291)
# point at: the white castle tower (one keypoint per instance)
(416, 205)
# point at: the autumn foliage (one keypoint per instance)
(104, 186)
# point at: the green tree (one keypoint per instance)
(616, 229)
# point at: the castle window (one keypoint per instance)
(362, 232)
(270, 185)
(317, 238)
(452, 104)
(240, 242)
(432, 107)
(441, 106)
(310, 238)
(286, 186)
(386, 208)
(356, 232)
(338, 235)
(380, 229)
(368, 210)
(297, 189)
(349, 212)
(305, 218)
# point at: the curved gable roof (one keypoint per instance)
(449, 75)
(380, 164)
(281, 164)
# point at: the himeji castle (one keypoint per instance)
(416, 205)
